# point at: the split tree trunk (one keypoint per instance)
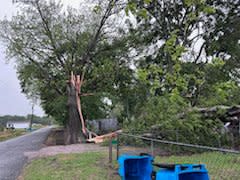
(74, 126)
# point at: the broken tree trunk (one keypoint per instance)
(75, 128)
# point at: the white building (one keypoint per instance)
(18, 124)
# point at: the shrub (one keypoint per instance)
(169, 118)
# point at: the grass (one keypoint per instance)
(5, 135)
(94, 166)
(222, 166)
(37, 126)
(84, 166)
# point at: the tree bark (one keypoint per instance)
(73, 127)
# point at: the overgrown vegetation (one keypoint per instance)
(169, 118)
(11, 134)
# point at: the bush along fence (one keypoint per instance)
(221, 163)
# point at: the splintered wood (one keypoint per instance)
(102, 138)
(77, 82)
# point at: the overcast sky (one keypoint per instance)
(12, 101)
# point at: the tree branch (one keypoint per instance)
(48, 33)
(200, 52)
(92, 44)
(42, 71)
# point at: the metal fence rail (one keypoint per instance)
(181, 144)
(222, 163)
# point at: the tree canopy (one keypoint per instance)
(48, 41)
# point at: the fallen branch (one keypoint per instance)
(102, 138)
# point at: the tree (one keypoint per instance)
(183, 53)
(172, 35)
(49, 43)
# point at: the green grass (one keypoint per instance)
(11, 134)
(37, 126)
(94, 166)
(221, 166)
(84, 166)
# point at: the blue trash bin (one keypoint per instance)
(135, 167)
(183, 172)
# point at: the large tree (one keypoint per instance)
(48, 42)
(180, 42)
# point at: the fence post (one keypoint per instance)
(117, 146)
(177, 139)
(110, 150)
(239, 128)
(152, 148)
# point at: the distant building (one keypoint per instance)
(18, 124)
(101, 126)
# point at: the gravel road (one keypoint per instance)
(12, 157)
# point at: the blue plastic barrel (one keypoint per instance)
(183, 172)
(135, 167)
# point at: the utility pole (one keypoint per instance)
(31, 120)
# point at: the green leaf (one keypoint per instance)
(132, 7)
(97, 9)
(143, 13)
(209, 10)
(147, 1)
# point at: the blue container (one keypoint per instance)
(183, 172)
(135, 167)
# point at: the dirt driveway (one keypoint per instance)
(54, 150)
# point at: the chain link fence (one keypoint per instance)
(223, 163)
